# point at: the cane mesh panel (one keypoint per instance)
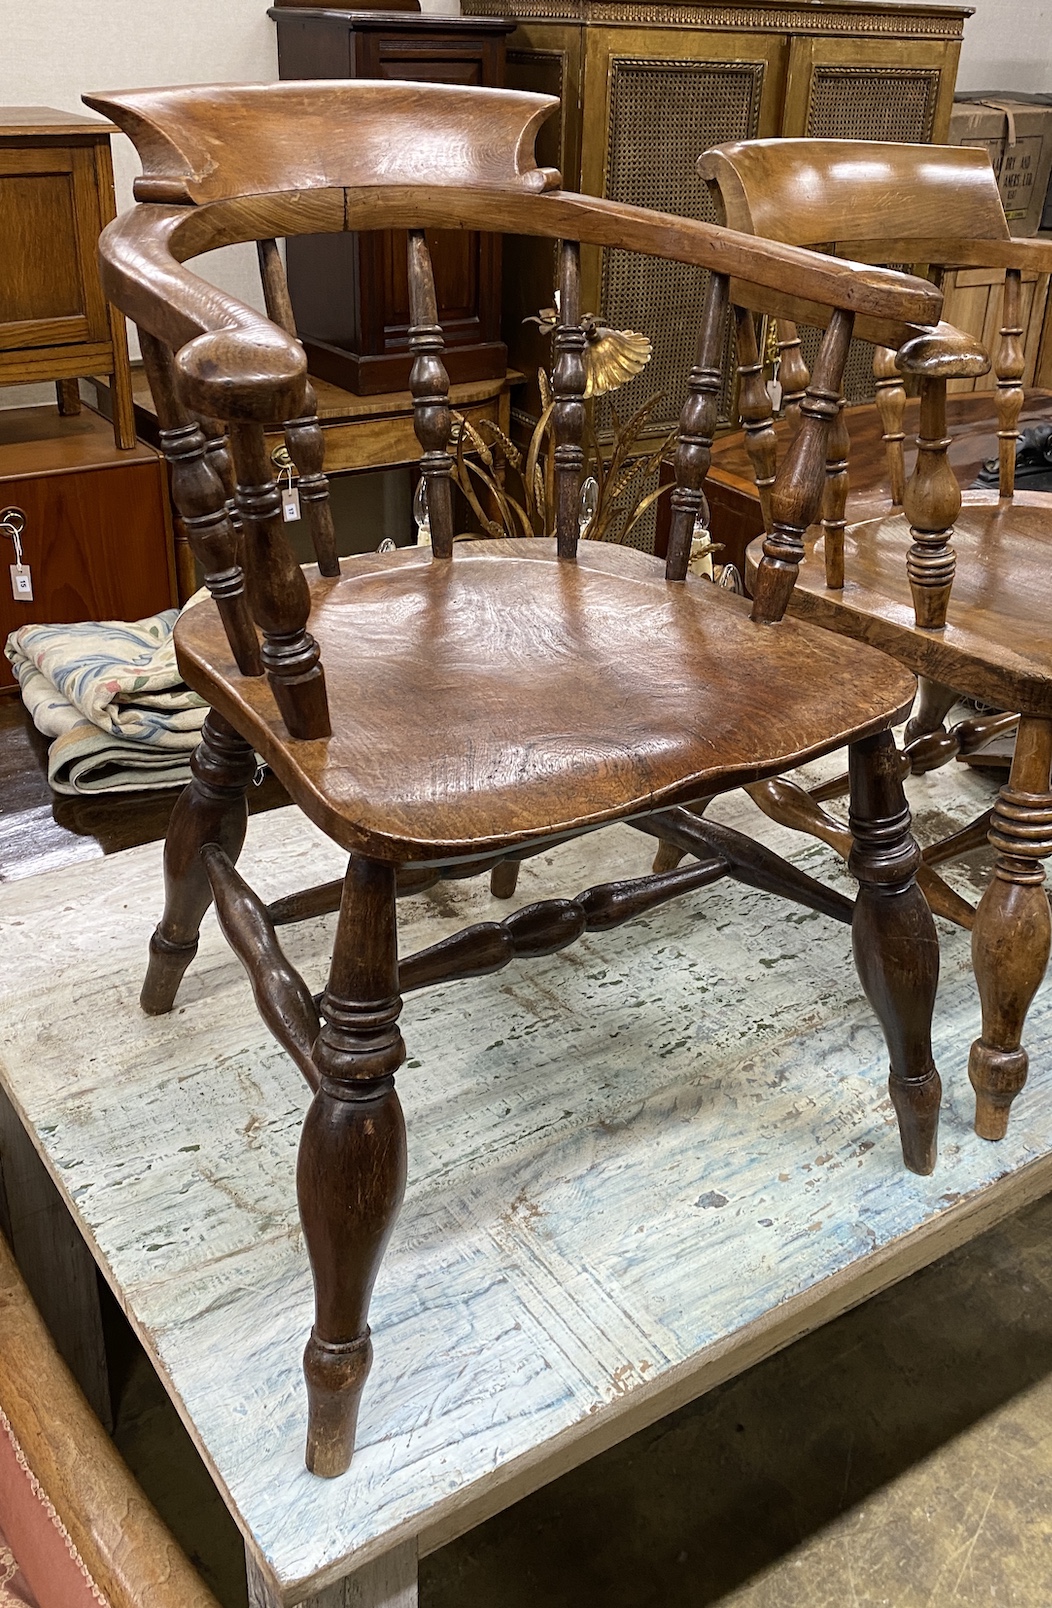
(873, 103)
(663, 114)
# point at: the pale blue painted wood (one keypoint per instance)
(620, 1158)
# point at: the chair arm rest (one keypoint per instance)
(234, 364)
(943, 353)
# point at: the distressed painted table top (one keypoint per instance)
(634, 1168)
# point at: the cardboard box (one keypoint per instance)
(1017, 133)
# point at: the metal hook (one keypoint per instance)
(13, 523)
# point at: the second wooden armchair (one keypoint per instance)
(959, 590)
(438, 712)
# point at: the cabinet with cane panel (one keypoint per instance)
(647, 85)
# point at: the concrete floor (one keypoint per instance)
(900, 1456)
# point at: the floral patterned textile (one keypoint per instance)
(39, 1565)
(110, 695)
(14, 1588)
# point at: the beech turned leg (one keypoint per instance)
(894, 942)
(210, 809)
(1012, 931)
(351, 1173)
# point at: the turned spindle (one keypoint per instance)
(201, 500)
(303, 436)
(798, 487)
(277, 591)
(1008, 366)
(891, 407)
(754, 407)
(931, 504)
(429, 384)
(834, 500)
(694, 437)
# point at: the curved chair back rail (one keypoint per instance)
(247, 161)
(856, 190)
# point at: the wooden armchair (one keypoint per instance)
(957, 588)
(437, 713)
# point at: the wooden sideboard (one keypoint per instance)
(647, 85)
(56, 193)
(350, 292)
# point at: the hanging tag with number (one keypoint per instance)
(21, 583)
(290, 497)
(12, 524)
(774, 388)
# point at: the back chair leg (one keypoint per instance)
(352, 1159)
(1012, 932)
(894, 941)
(210, 809)
(504, 879)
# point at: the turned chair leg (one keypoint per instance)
(895, 946)
(210, 809)
(504, 879)
(352, 1158)
(1012, 932)
(934, 702)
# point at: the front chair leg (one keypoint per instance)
(895, 946)
(352, 1159)
(210, 809)
(1012, 932)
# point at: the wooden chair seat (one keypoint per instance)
(995, 645)
(465, 705)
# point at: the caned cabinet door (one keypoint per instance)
(870, 89)
(654, 100)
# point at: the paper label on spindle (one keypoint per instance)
(21, 583)
(290, 505)
(774, 388)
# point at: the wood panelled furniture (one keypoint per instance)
(645, 85)
(349, 292)
(959, 594)
(96, 526)
(56, 193)
(437, 713)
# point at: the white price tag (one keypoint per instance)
(774, 388)
(21, 583)
(290, 504)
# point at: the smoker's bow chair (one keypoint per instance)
(959, 594)
(434, 713)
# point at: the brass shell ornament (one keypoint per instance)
(612, 357)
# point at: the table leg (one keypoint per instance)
(387, 1582)
(54, 1260)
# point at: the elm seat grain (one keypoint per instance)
(491, 672)
(439, 713)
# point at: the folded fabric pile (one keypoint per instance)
(111, 697)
